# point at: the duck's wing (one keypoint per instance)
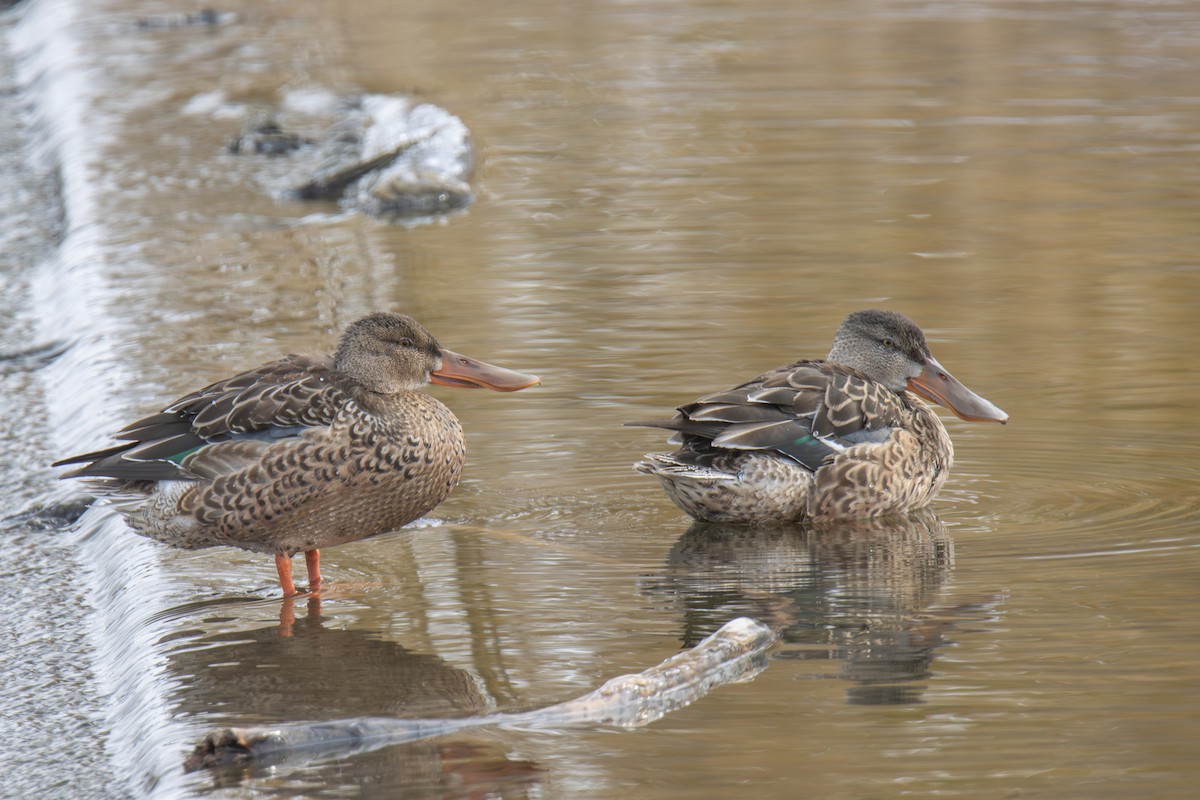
(278, 400)
(808, 411)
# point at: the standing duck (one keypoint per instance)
(301, 453)
(843, 438)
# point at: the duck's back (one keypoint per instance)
(812, 440)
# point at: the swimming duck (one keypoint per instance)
(840, 438)
(301, 453)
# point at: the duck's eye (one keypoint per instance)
(406, 342)
(887, 342)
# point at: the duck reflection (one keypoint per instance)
(863, 592)
(302, 670)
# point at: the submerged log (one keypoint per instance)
(736, 652)
(331, 183)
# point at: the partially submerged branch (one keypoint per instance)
(736, 652)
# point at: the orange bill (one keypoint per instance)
(467, 373)
(937, 385)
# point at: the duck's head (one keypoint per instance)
(389, 353)
(890, 349)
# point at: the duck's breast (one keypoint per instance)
(365, 474)
(900, 474)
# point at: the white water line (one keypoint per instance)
(124, 581)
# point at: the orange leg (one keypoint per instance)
(283, 565)
(312, 560)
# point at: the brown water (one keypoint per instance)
(672, 197)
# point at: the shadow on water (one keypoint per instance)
(869, 594)
(302, 670)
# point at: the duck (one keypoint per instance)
(301, 453)
(846, 437)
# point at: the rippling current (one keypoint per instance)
(667, 199)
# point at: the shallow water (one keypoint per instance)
(670, 198)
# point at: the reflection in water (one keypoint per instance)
(864, 592)
(304, 671)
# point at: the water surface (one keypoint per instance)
(671, 198)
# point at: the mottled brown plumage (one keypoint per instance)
(842, 438)
(300, 453)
